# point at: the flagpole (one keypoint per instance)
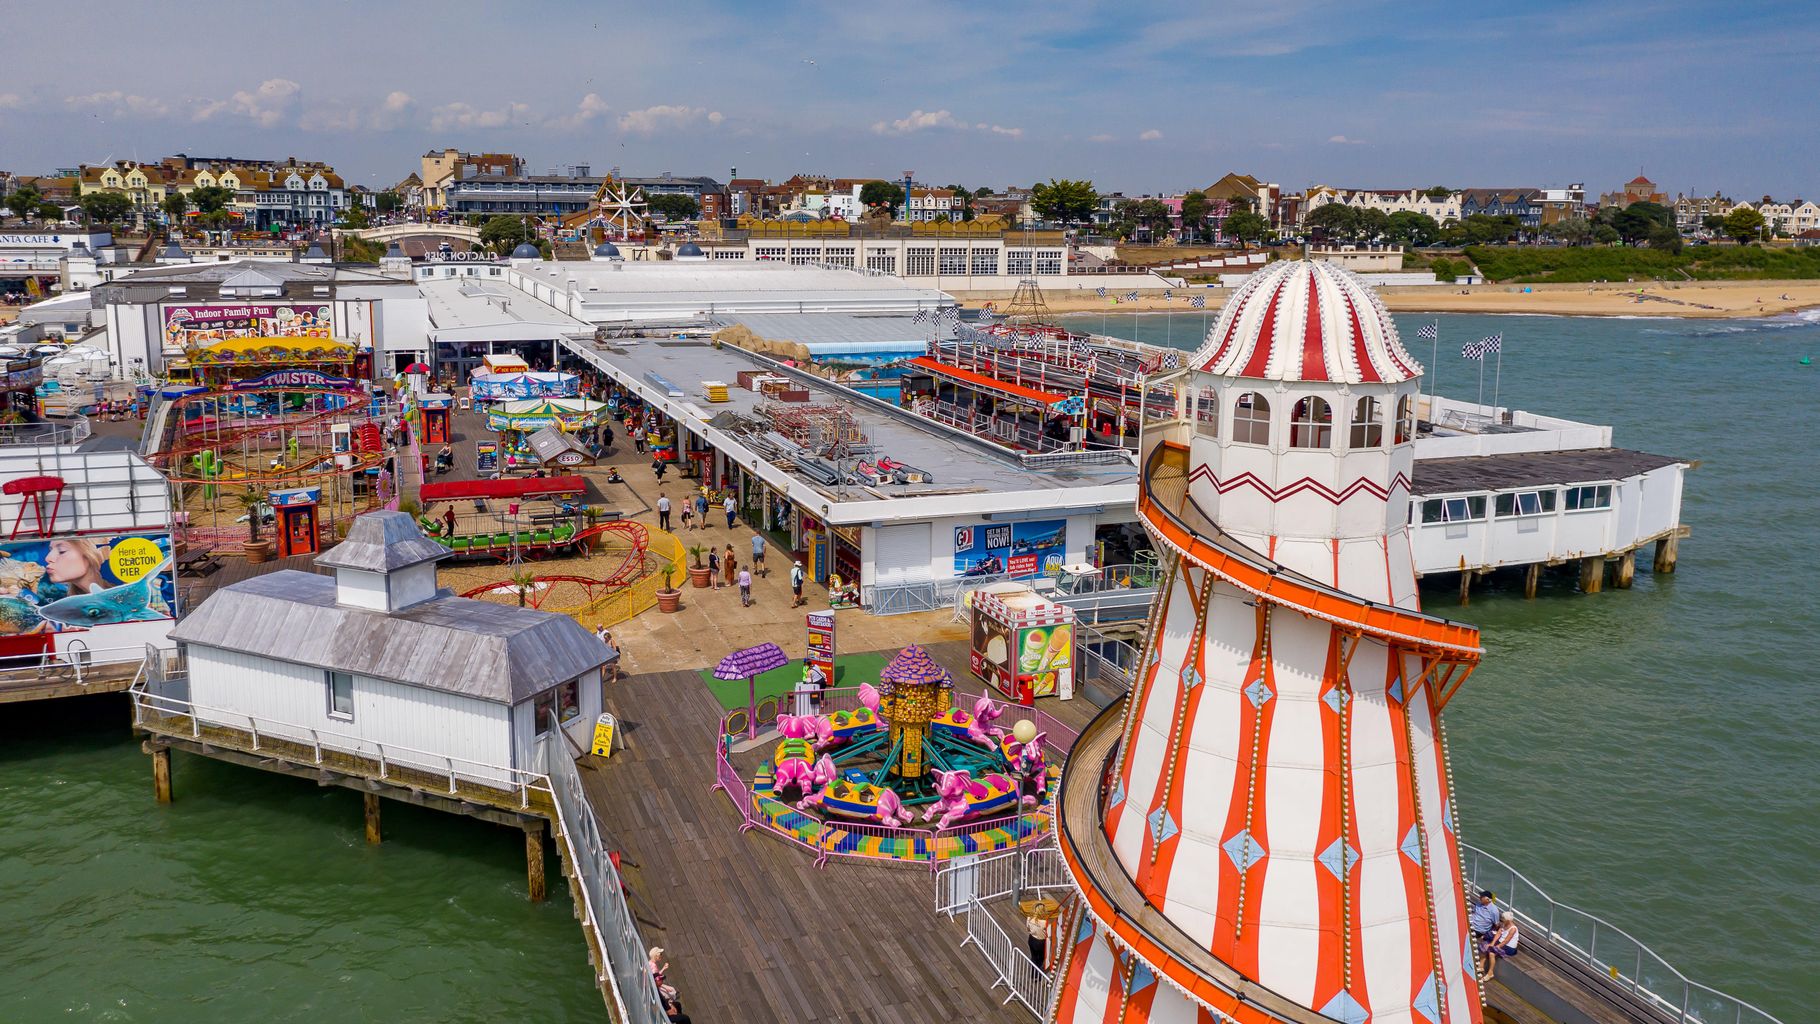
(1497, 378)
(1434, 376)
(1481, 403)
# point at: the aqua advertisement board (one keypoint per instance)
(1019, 549)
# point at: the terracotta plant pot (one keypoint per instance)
(700, 576)
(669, 600)
(256, 550)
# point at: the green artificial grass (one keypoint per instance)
(849, 670)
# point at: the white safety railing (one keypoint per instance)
(1022, 978)
(77, 662)
(61, 431)
(602, 894)
(1607, 949)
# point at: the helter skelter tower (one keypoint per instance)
(1264, 830)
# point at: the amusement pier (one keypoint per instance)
(870, 657)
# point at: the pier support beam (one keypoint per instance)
(1532, 578)
(161, 772)
(1466, 586)
(1666, 549)
(1626, 570)
(371, 805)
(534, 862)
(1592, 574)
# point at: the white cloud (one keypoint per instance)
(11, 101)
(921, 120)
(329, 120)
(1099, 138)
(268, 106)
(462, 115)
(591, 108)
(1151, 136)
(121, 104)
(1342, 140)
(393, 112)
(652, 119)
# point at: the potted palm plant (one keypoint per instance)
(256, 549)
(669, 598)
(698, 572)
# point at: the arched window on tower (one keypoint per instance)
(1406, 419)
(1312, 424)
(1207, 412)
(1251, 419)
(1367, 427)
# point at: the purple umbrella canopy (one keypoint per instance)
(751, 662)
(914, 667)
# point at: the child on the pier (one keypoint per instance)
(713, 569)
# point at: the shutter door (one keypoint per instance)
(901, 555)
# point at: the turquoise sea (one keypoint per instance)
(1650, 755)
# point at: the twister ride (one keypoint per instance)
(858, 782)
(226, 451)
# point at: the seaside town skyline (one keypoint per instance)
(1545, 96)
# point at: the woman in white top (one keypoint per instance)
(1503, 943)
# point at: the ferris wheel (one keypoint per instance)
(621, 209)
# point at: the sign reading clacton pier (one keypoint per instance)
(65, 583)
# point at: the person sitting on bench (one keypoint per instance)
(1502, 944)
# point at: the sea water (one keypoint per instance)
(1650, 755)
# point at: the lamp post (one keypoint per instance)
(1024, 731)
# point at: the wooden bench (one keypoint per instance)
(1545, 982)
(197, 563)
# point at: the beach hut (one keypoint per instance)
(556, 448)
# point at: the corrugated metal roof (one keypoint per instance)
(1533, 469)
(382, 542)
(453, 644)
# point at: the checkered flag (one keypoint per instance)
(1495, 343)
(1172, 361)
(948, 315)
(1198, 302)
(1169, 293)
(1431, 330)
(921, 317)
(1101, 292)
(1473, 350)
(1131, 296)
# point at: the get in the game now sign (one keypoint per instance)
(1016, 549)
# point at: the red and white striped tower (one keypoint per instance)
(1272, 837)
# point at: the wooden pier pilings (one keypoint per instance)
(1593, 573)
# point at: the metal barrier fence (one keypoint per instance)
(76, 662)
(1023, 979)
(602, 895)
(64, 431)
(1607, 949)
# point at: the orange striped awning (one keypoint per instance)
(1034, 396)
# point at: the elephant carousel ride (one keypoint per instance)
(906, 776)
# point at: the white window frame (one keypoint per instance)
(1367, 431)
(1525, 504)
(1456, 509)
(329, 676)
(1307, 429)
(1573, 500)
(1246, 422)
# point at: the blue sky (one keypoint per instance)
(1138, 97)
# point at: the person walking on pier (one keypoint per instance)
(796, 583)
(663, 512)
(758, 555)
(701, 509)
(714, 568)
(730, 564)
(728, 507)
(745, 588)
(1038, 932)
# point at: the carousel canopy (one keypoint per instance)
(565, 407)
(914, 667)
(752, 661)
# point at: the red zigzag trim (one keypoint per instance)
(1251, 480)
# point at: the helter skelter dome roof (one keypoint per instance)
(1306, 320)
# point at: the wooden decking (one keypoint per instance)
(753, 930)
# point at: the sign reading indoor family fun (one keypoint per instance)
(189, 325)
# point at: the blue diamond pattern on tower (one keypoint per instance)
(1243, 849)
(1412, 845)
(1336, 699)
(1425, 1002)
(1139, 977)
(1085, 930)
(1447, 815)
(1117, 796)
(1331, 858)
(1191, 677)
(1258, 692)
(1396, 689)
(1162, 826)
(1345, 1009)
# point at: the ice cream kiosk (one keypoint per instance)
(1023, 643)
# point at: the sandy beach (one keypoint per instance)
(1704, 299)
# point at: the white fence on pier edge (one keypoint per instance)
(964, 888)
(1609, 950)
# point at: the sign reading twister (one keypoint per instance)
(65, 583)
(254, 333)
(1019, 549)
